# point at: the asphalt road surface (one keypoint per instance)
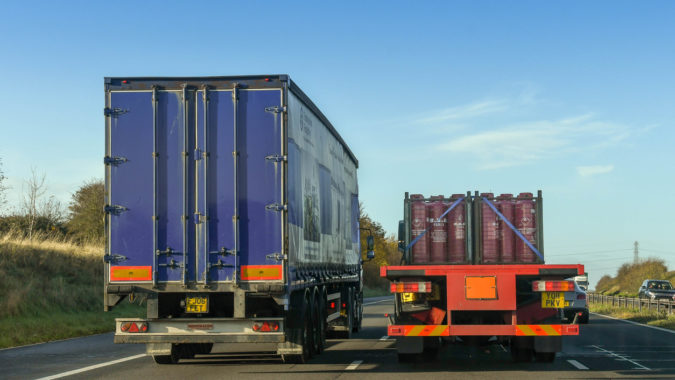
(606, 348)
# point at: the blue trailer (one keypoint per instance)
(232, 211)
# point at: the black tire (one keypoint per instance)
(407, 358)
(349, 323)
(316, 329)
(521, 355)
(585, 318)
(173, 358)
(358, 312)
(300, 330)
(203, 348)
(544, 357)
(322, 320)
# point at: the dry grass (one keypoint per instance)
(648, 317)
(47, 282)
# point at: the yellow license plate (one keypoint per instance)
(196, 305)
(553, 300)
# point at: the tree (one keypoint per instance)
(40, 213)
(86, 211)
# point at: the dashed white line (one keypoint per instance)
(95, 366)
(385, 337)
(577, 364)
(624, 358)
(354, 365)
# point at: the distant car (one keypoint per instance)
(576, 305)
(657, 290)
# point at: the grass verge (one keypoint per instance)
(647, 317)
(52, 289)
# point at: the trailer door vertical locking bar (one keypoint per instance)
(185, 183)
(235, 154)
(205, 227)
(155, 157)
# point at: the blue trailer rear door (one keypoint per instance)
(178, 211)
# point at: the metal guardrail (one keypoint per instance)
(661, 306)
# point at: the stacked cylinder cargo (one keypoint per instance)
(497, 293)
(232, 208)
(440, 236)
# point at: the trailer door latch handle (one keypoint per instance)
(114, 259)
(114, 112)
(276, 158)
(276, 256)
(275, 109)
(276, 207)
(114, 209)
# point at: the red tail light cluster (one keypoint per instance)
(266, 326)
(581, 296)
(134, 327)
(411, 287)
(553, 286)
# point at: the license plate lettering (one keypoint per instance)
(196, 305)
(553, 300)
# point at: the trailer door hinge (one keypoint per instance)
(223, 251)
(199, 218)
(276, 158)
(114, 112)
(276, 207)
(114, 259)
(114, 161)
(114, 209)
(275, 109)
(276, 256)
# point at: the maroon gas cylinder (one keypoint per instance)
(507, 238)
(489, 231)
(438, 229)
(526, 224)
(418, 218)
(456, 230)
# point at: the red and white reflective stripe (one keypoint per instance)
(411, 287)
(553, 286)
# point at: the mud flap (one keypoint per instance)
(156, 349)
(547, 343)
(409, 344)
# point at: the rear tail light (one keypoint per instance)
(581, 296)
(410, 287)
(266, 326)
(552, 286)
(134, 327)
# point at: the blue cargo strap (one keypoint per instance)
(518, 233)
(437, 220)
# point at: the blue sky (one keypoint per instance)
(573, 98)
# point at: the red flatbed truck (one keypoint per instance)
(517, 304)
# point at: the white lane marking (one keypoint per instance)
(577, 364)
(635, 323)
(621, 357)
(95, 366)
(373, 303)
(354, 365)
(385, 337)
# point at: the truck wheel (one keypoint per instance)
(407, 358)
(316, 327)
(358, 312)
(349, 323)
(521, 355)
(203, 348)
(544, 357)
(323, 325)
(303, 338)
(168, 359)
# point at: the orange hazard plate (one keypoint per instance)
(480, 287)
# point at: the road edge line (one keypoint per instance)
(635, 323)
(91, 367)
